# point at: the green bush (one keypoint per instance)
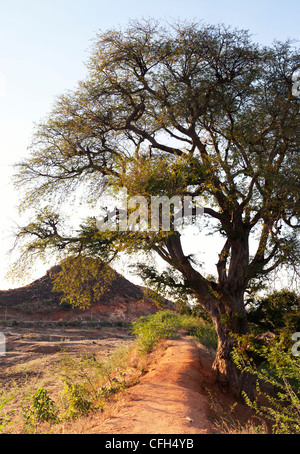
(149, 330)
(278, 312)
(167, 324)
(281, 371)
(41, 408)
(78, 399)
(201, 329)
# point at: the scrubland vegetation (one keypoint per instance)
(78, 385)
(73, 386)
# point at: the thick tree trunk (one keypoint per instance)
(228, 323)
(225, 304)
(229, 314)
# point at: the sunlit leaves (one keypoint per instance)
(83, 280)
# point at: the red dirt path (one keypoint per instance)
(171, 398)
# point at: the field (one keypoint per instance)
(36, 358)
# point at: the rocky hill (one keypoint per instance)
(123, 302)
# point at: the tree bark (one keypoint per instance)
(229, 323)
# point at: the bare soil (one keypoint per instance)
(170, 398)
(23, 344)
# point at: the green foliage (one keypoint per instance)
(4, 420)
(155, 176)
(149, 330)
(167, 325)
(78, 399)
(281, 372)
(41, 409)
(88, 382)
(82, 281)
(200, 328)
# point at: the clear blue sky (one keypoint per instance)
(44, 44)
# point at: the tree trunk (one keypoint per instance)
(228, 323)
(225, 304)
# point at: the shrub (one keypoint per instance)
(78, 399)
(201, 329)
(278, 312)
(167, 324)
(149, 330)
(281, 370)
(42, 408)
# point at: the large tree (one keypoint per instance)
(186, 110)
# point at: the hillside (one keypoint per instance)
(123, 302)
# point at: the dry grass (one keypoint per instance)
(137, 366)
(124, 368)
(229, 420)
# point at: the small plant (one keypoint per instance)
(81, 378)
(167, 324)
(78, 399)
(202, 329)
(41, 409)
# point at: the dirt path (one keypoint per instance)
(169, 399)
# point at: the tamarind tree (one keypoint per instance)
(184, 110)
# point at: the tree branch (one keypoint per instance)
(221, 265)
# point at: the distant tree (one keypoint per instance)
(188, 110)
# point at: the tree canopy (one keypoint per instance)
(183, 110)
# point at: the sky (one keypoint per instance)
(43, 49)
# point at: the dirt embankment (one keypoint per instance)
(176, 396)
(168, 400)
